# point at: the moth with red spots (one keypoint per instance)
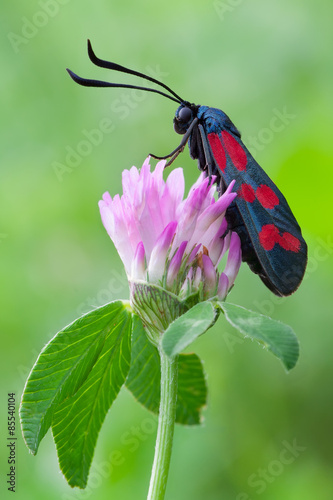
(271, 239)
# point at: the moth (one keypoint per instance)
(271, 239)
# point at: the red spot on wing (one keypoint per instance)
(235, 151)
(246, 192)
(289, 242)
(218, 150)
(270, 235)
(266, 196)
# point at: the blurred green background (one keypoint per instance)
(251, 59)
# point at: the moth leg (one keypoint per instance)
(179, 149)
(207, 152)
(221, 187)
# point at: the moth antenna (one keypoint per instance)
(117, 67)
(86, 82)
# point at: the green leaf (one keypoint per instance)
(192, 390)
(277, 337)
(143, 379)
(145, 374)
(185, 329)
(73, 384)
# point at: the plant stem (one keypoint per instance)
(166, 423)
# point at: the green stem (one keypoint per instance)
(166, 423)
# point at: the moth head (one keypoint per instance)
(183, 118)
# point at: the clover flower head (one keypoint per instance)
(168, 240)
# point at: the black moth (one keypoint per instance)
(271, 239)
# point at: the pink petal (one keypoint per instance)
(209, 276)
(157, 261)
(138, 270)
(193, 253)
(175, 264)
(116, 227)
(189, 211)
(210, 187)
(157, 175)
(223, 286)
(234, 258)
(130, 179)
(204, 234)
(226, 240)
(210, 219)
(216, 244)
(213, 213)
(173, 195)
